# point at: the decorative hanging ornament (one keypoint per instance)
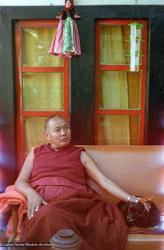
(66, 41)
(135, 45)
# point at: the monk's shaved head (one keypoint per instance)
(50, 120)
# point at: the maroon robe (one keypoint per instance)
(60, 178)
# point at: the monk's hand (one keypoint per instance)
(34, 201)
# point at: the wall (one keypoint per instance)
(78, 2)
(82, 88)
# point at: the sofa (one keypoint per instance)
(140, 171)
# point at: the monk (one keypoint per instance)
(53, 179)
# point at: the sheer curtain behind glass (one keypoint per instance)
(36, 43)
(119, 90)
(35, 134)
(41, 91)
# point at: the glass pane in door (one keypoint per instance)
(34, 132)
(119, 90)
(118, 129)
(43, 91)
(36, 42)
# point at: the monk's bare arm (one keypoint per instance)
(34, 200)
(94, 173)
(21, 184)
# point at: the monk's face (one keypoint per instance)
(58, 133)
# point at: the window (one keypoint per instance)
(120, 94)
(42, 82)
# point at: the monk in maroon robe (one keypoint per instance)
(53, 178)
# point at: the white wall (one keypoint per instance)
(78, 2)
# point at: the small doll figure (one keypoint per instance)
(66, 41)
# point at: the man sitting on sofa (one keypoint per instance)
(53, 179)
